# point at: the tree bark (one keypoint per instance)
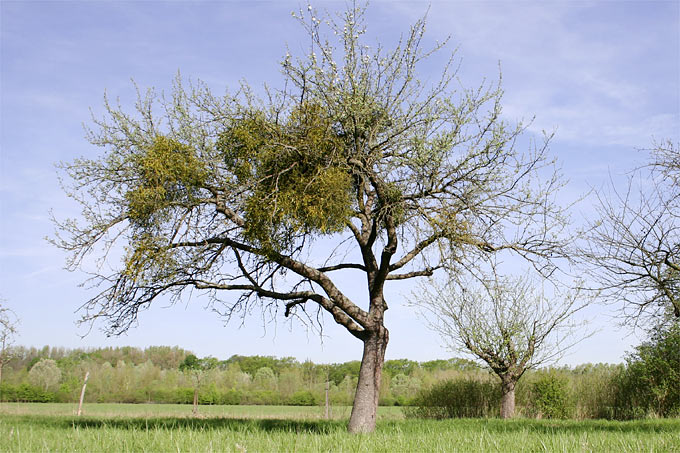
(195, 409)
(328, 385)
(507, 397)
(365, 406)
(82, 394)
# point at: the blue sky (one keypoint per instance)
(605, 75)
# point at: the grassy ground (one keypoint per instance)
(185, 410)
(111, 427)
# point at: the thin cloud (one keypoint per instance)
(581, 68)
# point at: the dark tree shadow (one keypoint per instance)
(566, 426)
(210, 423)
(253, 425)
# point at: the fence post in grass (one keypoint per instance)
(82, 394)
(328, 385)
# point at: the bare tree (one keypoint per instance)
(505, 322)
(8, 331)
(634, 246)
(237, 194)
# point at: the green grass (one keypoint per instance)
(184, 410)
(113, 427)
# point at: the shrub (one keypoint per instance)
(457, 398)
(650, 383)
(551, 396)
(164, 395)
(263, 397)
(26, 393)
(302, 398)
(184, 395)
(387, 401)
(231, 397)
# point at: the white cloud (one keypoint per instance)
(583, 68)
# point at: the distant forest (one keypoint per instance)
(162, 374)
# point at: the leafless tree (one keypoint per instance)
(508, 323)
(634, 246)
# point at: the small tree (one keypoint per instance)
(634, 246)
(504, 322)
(197, 368)
(45, 373)
(8, 330)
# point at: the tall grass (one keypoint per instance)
(126, 430)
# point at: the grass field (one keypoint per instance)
(151, 427)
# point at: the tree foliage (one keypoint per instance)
(45, 374)
(597, 390)
(651, 381)
(8, 332)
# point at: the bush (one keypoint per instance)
(402, 400)
(457, 398)
(171, 395)
(387, 401)
(302, 398)
(231, 397)
(26, 393)
(551, 396)
(184, 395)
(650, 384)
(262, 397)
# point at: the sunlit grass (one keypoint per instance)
(185, 410)
(110, 427)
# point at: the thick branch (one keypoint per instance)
(422, 273)
(342, 266)
(318, 277)
(297, 298)
(416, 251)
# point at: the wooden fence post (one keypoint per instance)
(82, 394)
(328, 385)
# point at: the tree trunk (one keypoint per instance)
(365, 406)
(82, 394)
(328, 387)
(507, 398)
(195, 409)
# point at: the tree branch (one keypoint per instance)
(422, 273)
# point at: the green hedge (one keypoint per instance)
(25, 393)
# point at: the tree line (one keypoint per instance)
(648, 383)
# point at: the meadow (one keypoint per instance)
(165, 427)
